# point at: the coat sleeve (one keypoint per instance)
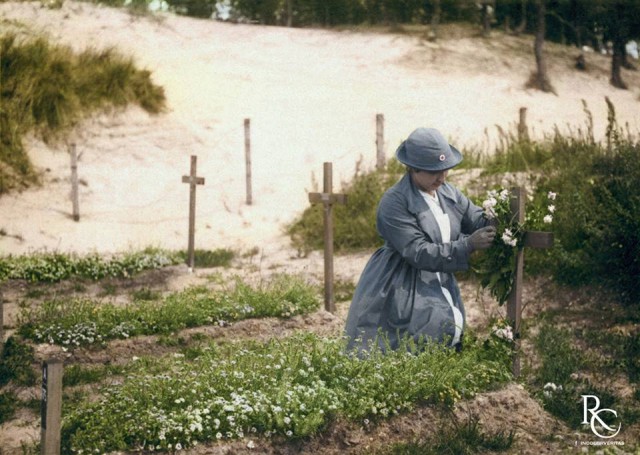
(401, 230)
(472, 216)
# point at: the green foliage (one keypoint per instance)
(47, 88)
(54, 267)
(220, 257)
(16, 362)
(78, 374)
(354, 222)
(8, 405)
(558, 357)
(560, 362)
(291, 387)
(457, 438)
(80, 322)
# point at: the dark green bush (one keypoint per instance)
(8, 405)
(354, 223)
(220, 257)
(15, 363)
(47, 88)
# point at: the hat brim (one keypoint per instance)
(401, 155)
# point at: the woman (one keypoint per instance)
(430, 229)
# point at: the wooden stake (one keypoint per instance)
(247, 157)
(74, 183)
(1, 322)
(192, 180)
(328, 199)
(51, 407)
(380, 158)
(523, 130)
(532, 239)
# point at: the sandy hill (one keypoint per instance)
(311, 95)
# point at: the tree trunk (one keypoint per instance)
(539, 79)
(617, 60)
(435, 21)
(619, 38)
(289, 13)
(523, 19)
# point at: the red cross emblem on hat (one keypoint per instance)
(442, 157)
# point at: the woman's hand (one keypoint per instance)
(482, 238)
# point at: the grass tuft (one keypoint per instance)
(47, 88)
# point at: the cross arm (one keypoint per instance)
(327, 198)
(538, 239)
(196, 180)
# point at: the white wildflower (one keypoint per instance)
(251, 445)
(551, 195)
(551, 208)
(548, 219)
(507, 238)
(504, 195)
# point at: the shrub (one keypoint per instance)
(8, 405)
(47, 88)
(355, 222)
(220, 257)
(16, 362)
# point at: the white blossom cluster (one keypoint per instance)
(551, 208)
(550, 388)
(493, 196)
(505, 333)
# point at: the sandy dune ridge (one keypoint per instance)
(311, 95)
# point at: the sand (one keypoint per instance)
(312, 97)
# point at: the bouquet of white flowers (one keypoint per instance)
(496, 267)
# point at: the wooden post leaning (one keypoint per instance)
(192, 179)
(380, 158)
(247, 158)
(51, 407)
(74, 182)
(328, 199)
(532, 239)
(1, 320)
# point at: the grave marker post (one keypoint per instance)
(192, 180)
(328, 199)
(532, 239)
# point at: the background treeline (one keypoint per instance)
(580, 22)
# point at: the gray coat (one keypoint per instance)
(399, 292)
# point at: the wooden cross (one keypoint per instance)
(328, 199)
(192, 180)
(532, 239)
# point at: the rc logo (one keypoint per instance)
(595, 420)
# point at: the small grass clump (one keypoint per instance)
(456, 438)
(292, 387)
(81, 322)
(16, 361)
(47, 88)
(54, 267)
(220, 257)
(8, 405)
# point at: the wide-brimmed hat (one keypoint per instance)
(426, 149)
